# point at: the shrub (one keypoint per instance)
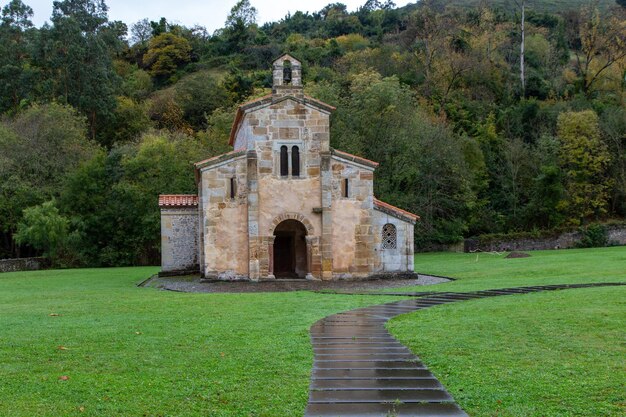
(593, 236)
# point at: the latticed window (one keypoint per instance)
(390, 236)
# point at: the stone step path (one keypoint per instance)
(360, 369)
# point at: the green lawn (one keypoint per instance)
(544, 354)
(144, 352)
(89, 342)
(476, 271)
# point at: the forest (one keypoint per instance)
(486, 117)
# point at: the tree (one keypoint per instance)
(584, 160)
(241, 14)
(166, 53)
(240, 26)
(43, 228)
(38, 149)
(47, 142)
(112, 200)
(141, 32)
(422, 165)
(15, 73)
(81, 40)
(602, 43)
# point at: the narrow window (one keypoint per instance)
(233, 188)
(286, 72)
(284, 161)
(389, 237)
(295, 161)
(346, 190)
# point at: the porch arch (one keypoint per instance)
(310, 231)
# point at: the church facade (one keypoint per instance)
(284, 204)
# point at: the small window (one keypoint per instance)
(346, 188)
(287, 72)
(390, 237)
(233, 188)
(284, 161)
(295, 161)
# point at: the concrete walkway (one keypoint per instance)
(360, 369)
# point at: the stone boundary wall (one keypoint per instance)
(23, 264)
(616, 237)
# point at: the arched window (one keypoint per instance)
(390, 236)
(295, 161)
(286, 72)
(284, 161)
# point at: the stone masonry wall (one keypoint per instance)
(616, 236)
(354, 252)
(225, 220)
(286, 122)
(179, 239)
(401, 258)
(23, 264)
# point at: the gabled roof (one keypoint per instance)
(178, 200)
(267, 100)
(287, 57)
(354, 158)
(219, 158)
(395, 211)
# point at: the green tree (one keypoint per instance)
(584, 160)
(38, 149)
(240, 27)
(81, 40)
(43, 228)
(422, 165)
(166, 54)
(199, 94)
(16, 75)
(112, 200)
(128, 122)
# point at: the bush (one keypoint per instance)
(44, 229)
(593, 236)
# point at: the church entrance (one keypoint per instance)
(290, 251)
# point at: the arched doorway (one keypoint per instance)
(290, 250)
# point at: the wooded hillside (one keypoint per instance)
(99, 117)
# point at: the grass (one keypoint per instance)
(88, 342)
(544, 354)
(476, 271)
(139, 351)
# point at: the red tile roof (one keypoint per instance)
(399, 211)
(178, 200)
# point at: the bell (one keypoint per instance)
(287, 75)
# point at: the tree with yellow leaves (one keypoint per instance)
(584, 160)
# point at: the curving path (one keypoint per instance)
(360, 369)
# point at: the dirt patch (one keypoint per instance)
(515, 255)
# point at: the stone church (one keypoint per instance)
(283, 203)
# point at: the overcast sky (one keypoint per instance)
(208, 13)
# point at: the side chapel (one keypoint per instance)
(284, 204)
